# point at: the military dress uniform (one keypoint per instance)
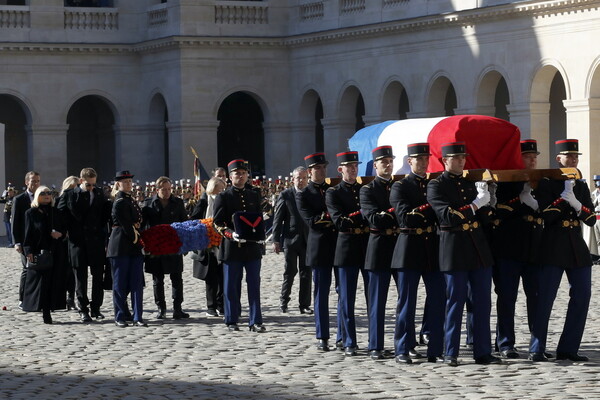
(320, 247)
(375, 204)
(125, 253)
(343, 204)
(416, 256)
(563, 250)
(516, 242)
(465, 258)
(239, 255)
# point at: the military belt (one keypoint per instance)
(569, 224)
(531, 218)
(357, 231)
(418, 231)
(462, 228)
(385, 232)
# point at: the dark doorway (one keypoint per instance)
(558, 112)
(359, 114)
(240, 132)
(403, 106)
(12, 115)
(501, 99)
(319, 131)
(450, 102)
(91, 137)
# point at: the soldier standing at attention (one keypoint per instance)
(375, 204)
(565, 206)
(465, 256)
(321, 240)
(343, 204)
(415, 257)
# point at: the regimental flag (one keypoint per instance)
(198, 188)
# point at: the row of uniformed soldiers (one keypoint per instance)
(458, 236)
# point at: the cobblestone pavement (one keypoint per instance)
(198, 358)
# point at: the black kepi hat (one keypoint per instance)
(382, 152)
(418, 149)
(314, 159)
(454, 149)
(347, 157)
(529, 146)
(237, 164)
(123, 175)
(567, 146)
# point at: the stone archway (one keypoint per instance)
(159, 135)
(442, 99)
(16, 119)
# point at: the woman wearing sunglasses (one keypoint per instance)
(42, 231)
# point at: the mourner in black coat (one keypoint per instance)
(125, 253)
(22, 203)
(465, 256)
(43, 290)
(565, 205)
(290, 231)
(343, 204)
(375, 205)
(240, 248)
(165, 208)
(87, 212)
(416, 256)
(320, 247)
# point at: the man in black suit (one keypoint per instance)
(415, 257)
(87, 212)
(165, 208)
(321, 242)
(343, 204)
(565, 205)
(289, 229)
(22, 203)
(465, 258)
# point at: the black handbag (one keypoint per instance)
(41, 262)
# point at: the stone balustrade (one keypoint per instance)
(241, 13)
(14, 17)
(91, 18)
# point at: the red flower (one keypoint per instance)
(161, 240)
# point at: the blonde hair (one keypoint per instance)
(69, 183)
(35, 203)
(162, 180)
(211, 186)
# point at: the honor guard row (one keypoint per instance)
(458, 236)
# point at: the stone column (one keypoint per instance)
(302, 142)
(280, 154)
(582, 117)
(539, 129)
(337, 133)
(47, 152)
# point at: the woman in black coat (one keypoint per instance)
(43, 290)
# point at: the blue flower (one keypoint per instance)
(193, 235)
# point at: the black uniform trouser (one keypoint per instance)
(214, 285)
(295, 260)
(81, 286)
(176, 289)
(23, 277)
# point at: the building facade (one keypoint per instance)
(134, 84)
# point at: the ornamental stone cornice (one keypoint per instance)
(534, 9)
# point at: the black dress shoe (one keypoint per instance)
(283, 309)
(140, 323)
(212, 313)
(306, 310)
(548, 355)
(71, 305)
(537, 357)
(180, 314)
(424, 339)
(404, 359)
(376, 355)
(488, 359)
(258, 328)
(128, 317)
(85, 316)
(47, 319)
(435, 359)
(160, 314)
(97, 315)
(350, 351)
(451, 361)
(322, 345)
(339, 345)
(414, 354)
(121, 324)
(509, 353)
(233, 327)
(571, 356)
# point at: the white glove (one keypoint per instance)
(236, 238)
(527, 198)
(492, 189)
(483, 195)
(597, 209)
(569, 196)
